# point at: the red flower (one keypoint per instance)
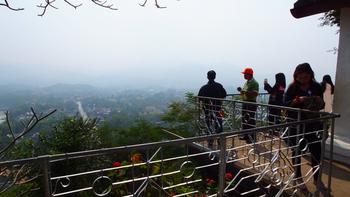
(221, 114)
(229, 176)
(136, 157)
(210, 181)
(116, 164)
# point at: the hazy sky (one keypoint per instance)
(172, 47)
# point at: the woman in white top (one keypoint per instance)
(328, 91)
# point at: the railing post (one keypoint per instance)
(298, 151)
(329, 186)
(222, 166)
(323, 148)
(233, 115)
(45, 165)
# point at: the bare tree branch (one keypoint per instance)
(34, 114)
(103, 4)
(33, 121)
(6, 4)
(334, 50)
(20, 176)
(45, 6)
(143, 4)
(49, 3)
(9, 124)
(156, 3)
(14, 180)
(29, 180)
(71, 4)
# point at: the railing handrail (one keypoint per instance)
(268, 105)
(238, 94)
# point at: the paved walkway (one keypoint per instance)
(340, 179)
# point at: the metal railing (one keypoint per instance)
(237, 150)
(263, 97)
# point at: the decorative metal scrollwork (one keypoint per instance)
(303, 144)
(187, 169)
(231, 155)
(63, 182)
(252, 157)
(212, 156)
(102, 186)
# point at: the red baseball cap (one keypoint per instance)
(248, 71)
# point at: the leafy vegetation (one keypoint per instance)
(73, 133)
(331, 18)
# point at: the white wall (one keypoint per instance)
(342, 83)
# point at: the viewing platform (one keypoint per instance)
(211, 163)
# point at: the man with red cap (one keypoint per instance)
(249, 92)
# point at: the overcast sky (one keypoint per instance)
(173, 47)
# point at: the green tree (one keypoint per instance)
(70, 135)
(141, 132)
(331, 18)
(181, 116)
(73, 134)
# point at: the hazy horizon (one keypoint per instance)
(139, 47)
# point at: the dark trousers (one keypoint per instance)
(214, 123)
(274, 116)
(248, 120)
(314, 146)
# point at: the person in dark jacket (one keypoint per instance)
(212, 107)
(276, 97)
(305, 93)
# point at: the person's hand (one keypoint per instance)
(239, 89)
(303, 99)
(299, 100)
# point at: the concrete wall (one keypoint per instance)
(342, 87)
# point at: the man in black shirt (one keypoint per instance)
(212, 107)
